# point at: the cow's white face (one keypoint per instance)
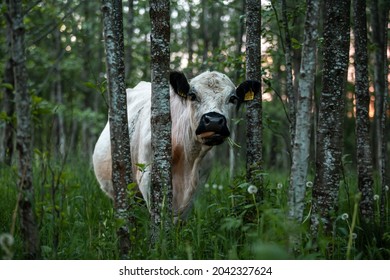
(209, 96)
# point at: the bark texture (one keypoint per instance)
(23, 134)
(301, 147)
(9, 105)
(379, 23)
(384, 157)
(120, 143)
(288, 53)
(254, 156)
(363, 145)
(331, 113)
(161, 189)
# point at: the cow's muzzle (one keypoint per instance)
(212, 129)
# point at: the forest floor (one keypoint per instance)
(227, 221)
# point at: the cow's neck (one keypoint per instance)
(187, 154)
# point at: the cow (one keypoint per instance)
(200, 111)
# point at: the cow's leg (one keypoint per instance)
(102, 163)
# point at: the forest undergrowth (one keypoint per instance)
(229, 220)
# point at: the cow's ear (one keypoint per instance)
(246, 91)
(179, 83)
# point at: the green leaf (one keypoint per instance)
(91, 85)
(7, 86)
(295, 43)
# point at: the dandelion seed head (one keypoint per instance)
(220, 187)
(309, 184)
(279, 186)
(6, 239)
(344, 216)
(354, 235)
(206, 185)
(215, 186)
(252, 189)
(376, 197)
(386, 188)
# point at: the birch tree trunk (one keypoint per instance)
(23, 134)
(331, 113)
(288, 53)
(9, 109)
(7, 149)
(120, 143)
(363, 146)
(130, 30)
(234, 126)
(378, 32)
(301, 147)
(161, 189)
(254, 155)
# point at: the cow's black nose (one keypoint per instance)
(212, 120)
(212, 129)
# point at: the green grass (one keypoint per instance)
(76, 220)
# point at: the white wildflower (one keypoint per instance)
(344, 216)
(6, 240)
(252, 189)
(279, 186)
(220, 187)
(215, 186)
(309, 184)
(206, 186)
(376, 197)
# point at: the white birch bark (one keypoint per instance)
(23, 134)
(161, 177)
(331, 114)
(254, 156)
(301, 147)
(363, 144)
(120, 142)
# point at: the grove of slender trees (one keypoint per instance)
(320, 115)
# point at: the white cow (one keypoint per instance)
(199, 112)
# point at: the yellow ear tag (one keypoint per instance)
(250, 95)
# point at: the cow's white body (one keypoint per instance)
(213, 91)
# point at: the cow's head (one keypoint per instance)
(210, 96)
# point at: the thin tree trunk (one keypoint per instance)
(378, 32)
(301, 148)
(9, 106)
(58, 99)
(204, 25)
(288, 53)
(130, 31)
(161, 189)
(120, 143)
(190, 40)
(254, 156)
(331, 114)
(9, 109)
(383, 160)
(234, 126)
(23, 134)
(363, 146)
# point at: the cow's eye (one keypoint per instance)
(192, 96)
(233, 99)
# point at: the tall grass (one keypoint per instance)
(227, 221)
